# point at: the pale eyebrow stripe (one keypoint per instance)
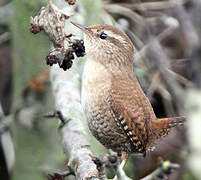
(116, 36)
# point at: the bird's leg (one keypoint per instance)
(120, 174)
(124, 158)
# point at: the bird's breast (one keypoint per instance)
(96, 82)
(96, 88)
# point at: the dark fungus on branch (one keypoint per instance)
(98, 163)
(64, 57)
(110, 162)
(71, 2)
(67, 62)
(35, 28)
(51, 20)
(78, 48)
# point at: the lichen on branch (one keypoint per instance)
(51, 20)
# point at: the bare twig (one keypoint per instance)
(5, 121)
(190, 34)
(159, 38)
(153, 85)
(162, 62)
(163, 171)
(158, 5)
(6, 140)
(4, 37)
(57, 114)
(6, 14)
(117, 9)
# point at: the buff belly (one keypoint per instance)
(95, 102)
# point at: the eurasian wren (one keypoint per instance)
(119, 114)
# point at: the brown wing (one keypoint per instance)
(129, 105)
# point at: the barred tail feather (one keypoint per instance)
(175, 121)
(162, 126)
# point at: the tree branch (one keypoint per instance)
(66, 89)
(165, 168)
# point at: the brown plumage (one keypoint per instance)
(119, 114)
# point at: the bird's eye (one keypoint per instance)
(103, 36)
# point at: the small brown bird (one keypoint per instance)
(119, 114)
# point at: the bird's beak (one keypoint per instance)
(82, 27)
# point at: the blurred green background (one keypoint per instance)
(30, 146)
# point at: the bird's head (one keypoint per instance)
(107, 41)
